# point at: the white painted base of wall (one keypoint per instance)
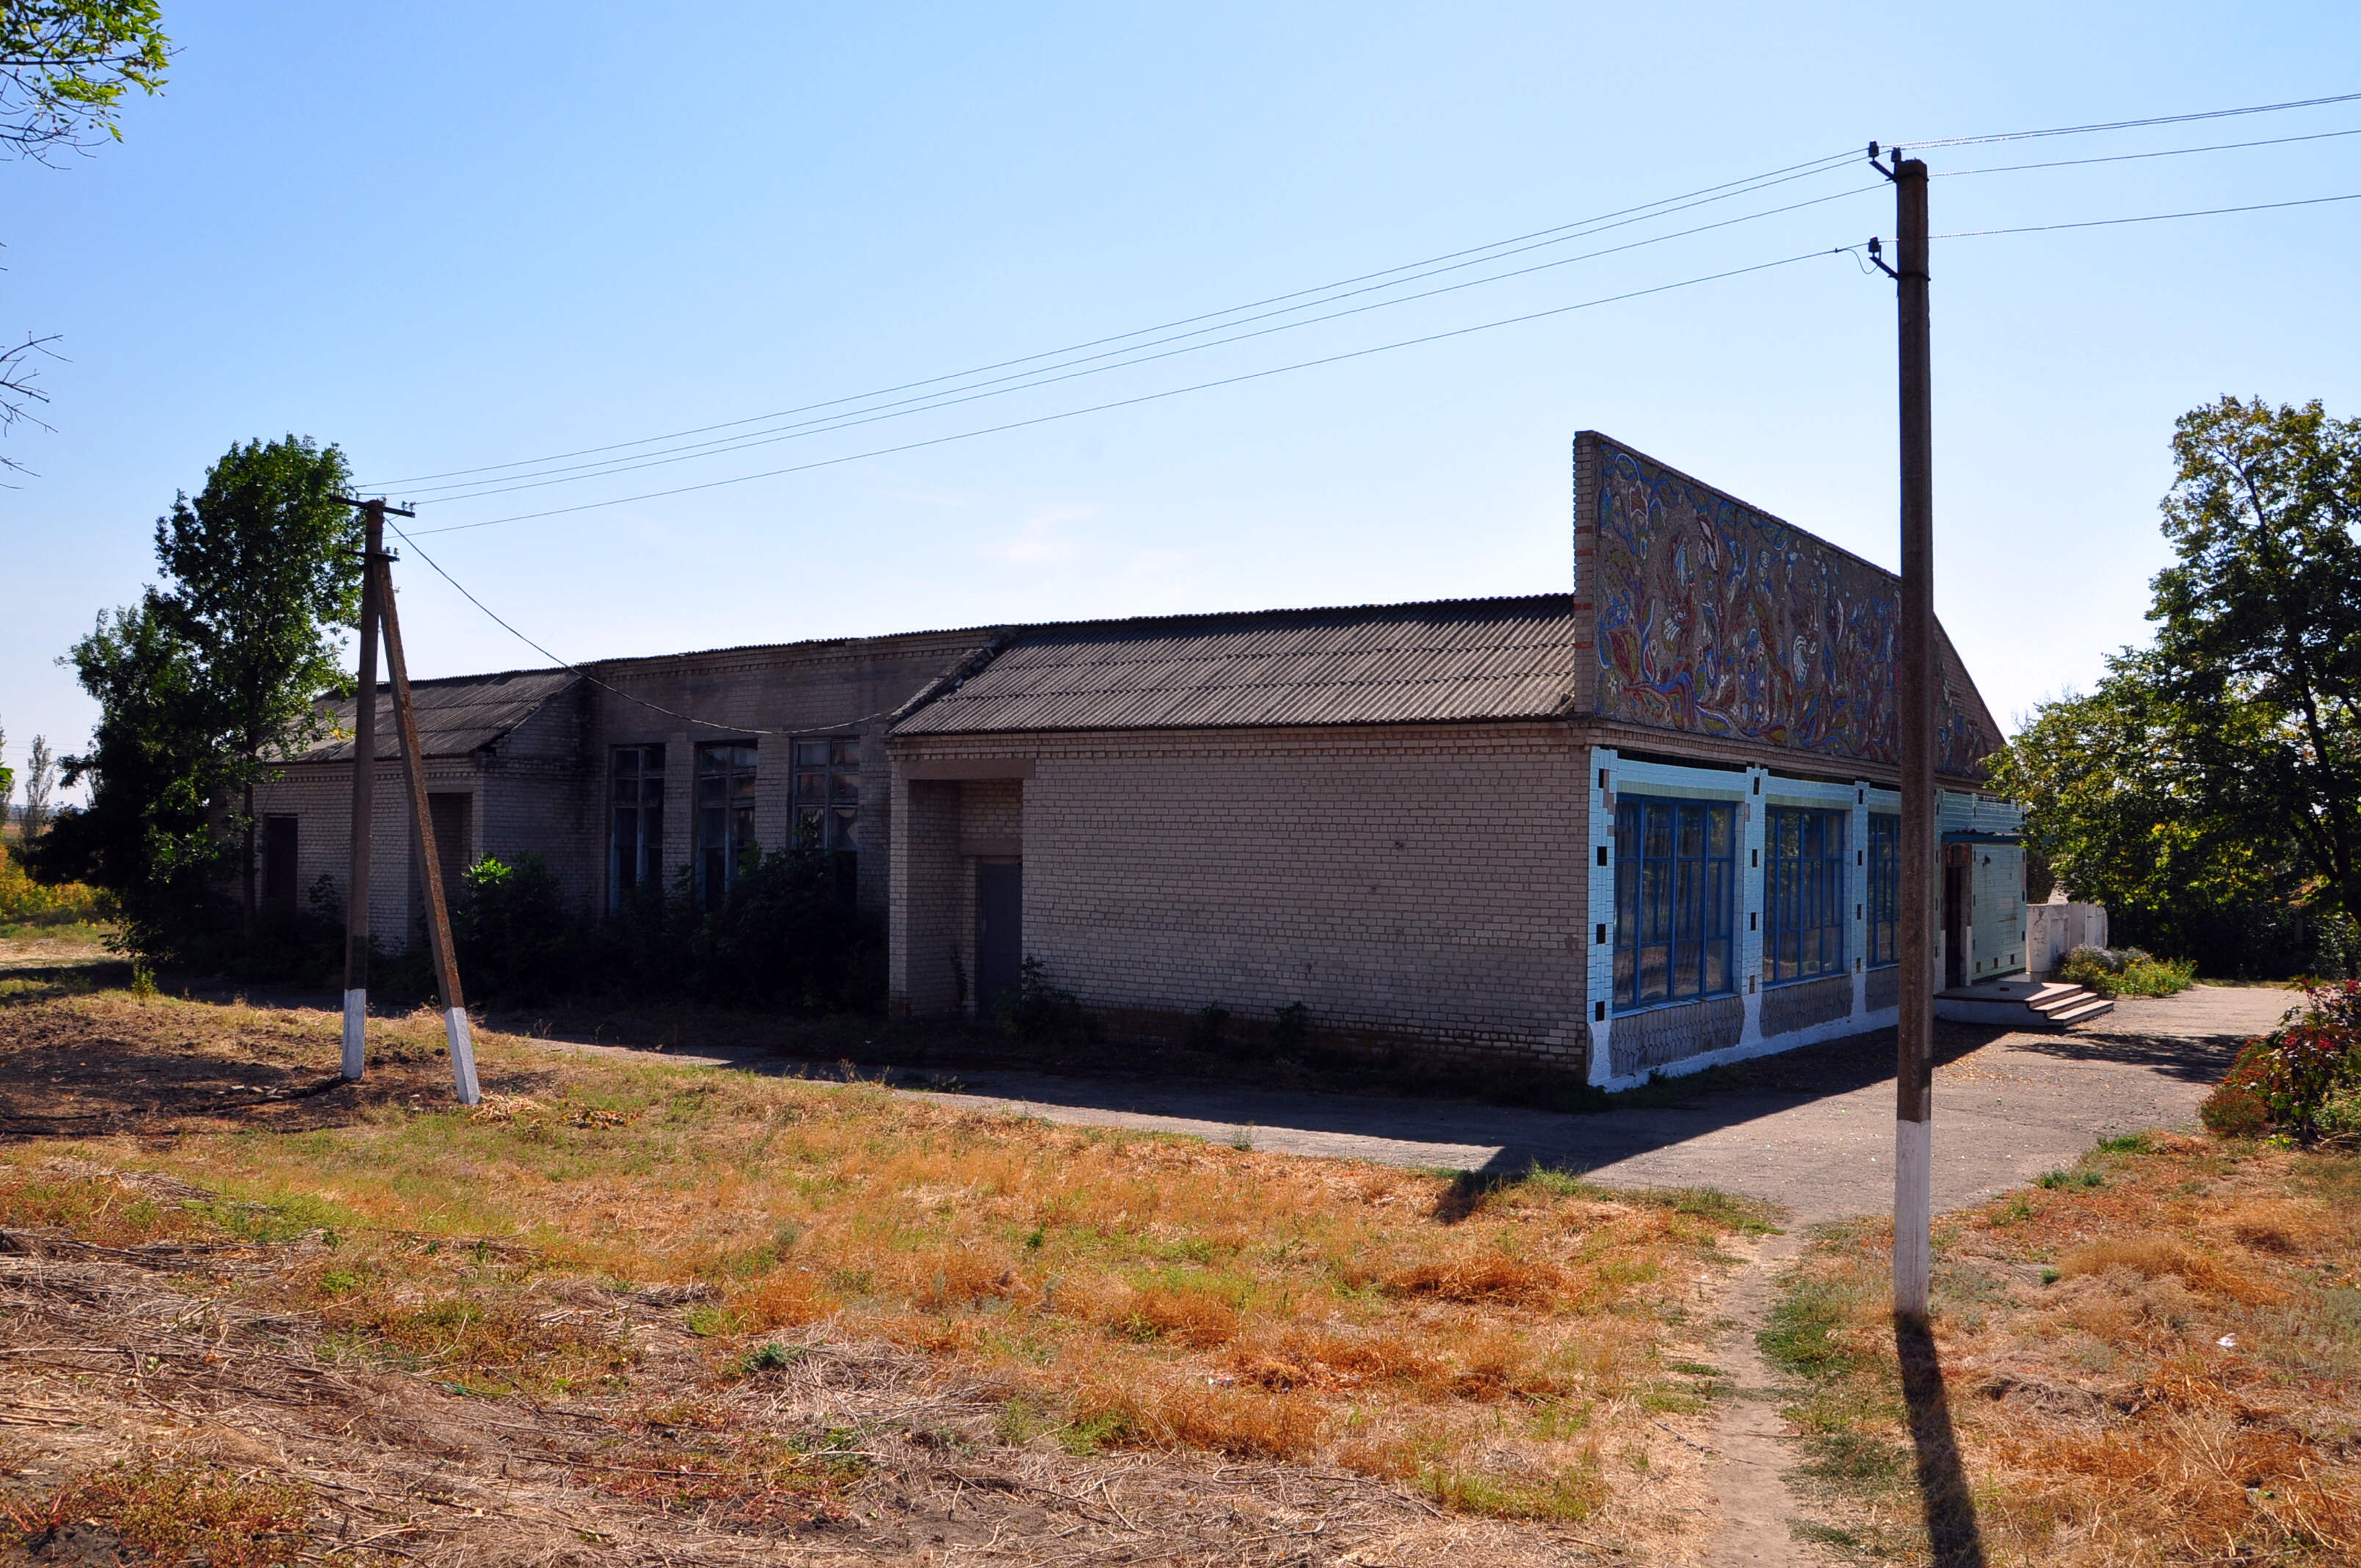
(463, 1055)
(356, 1034)
(1914, 1179)
(1750, 1046)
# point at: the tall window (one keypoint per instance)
(1803, 894)
(1884, 890)
(1676, 899)
(827, 791)
(635, 842)
(725, 817)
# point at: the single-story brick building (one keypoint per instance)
(1646, 824)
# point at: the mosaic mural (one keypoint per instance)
(1715, 619)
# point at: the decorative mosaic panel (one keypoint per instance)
(1715, 619)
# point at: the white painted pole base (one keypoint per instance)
(356, 1034)
(1914, 1193)
(463, 1055)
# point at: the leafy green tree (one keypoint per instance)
(264, 568)
(154, 767)
(65, 66)
(211, 677)
(2209, 790)
(40, 781)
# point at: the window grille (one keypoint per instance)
(1676, 899)
(1884, 890)
(725, 817)
(635, 840)
(1803, 894)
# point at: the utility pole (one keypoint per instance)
(438, 918)
(357, 884)
(379, 613)
(1915, 680)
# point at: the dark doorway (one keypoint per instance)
(1955, 918)
(999, 933)
(279, 860)
(447, 814)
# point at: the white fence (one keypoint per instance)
(2053, 930)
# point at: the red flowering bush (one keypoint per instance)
(2285, 1078)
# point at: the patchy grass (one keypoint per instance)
(1511, 1347)
(2152, 1357)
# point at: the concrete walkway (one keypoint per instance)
(1812, 1131)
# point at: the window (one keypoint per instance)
(1676, 897)
(1884, 890)
(725, 817)
(635, 844)
(1803, 894)
(827, 791)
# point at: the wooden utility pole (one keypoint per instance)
(1914, 1068)
(357, 884)
(438, 919)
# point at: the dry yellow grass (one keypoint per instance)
(1509, 1350)
(2155, 1360)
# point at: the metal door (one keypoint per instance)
(999, 933)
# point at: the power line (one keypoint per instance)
(1730, 188)
(2150, 217)
(608, 685)
(2133, 157)
(1031, 380)
(2137, 125)
(1149, 397)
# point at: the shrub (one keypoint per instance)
(1039, 1011)
(511, 930)
(24, 902)
(1293, 1032)
(2308, 1066)
(2126, 972)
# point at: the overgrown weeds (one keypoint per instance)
(2150, 1358)
(1133, 1292)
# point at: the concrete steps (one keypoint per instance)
(2021, 1004)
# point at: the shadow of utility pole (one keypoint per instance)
(1952, 1528)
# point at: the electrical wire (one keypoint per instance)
(2150, 217)
(2133, 157)
(1730, 188)
(1034, 380)
(607, 685)
(2136, 124)
(1149, 397)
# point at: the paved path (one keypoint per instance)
(1812, 1130)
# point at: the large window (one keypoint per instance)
(725, 817)
(1803, 894)
(827, 791)
(1676, 897)
(635, 840)
(1884, 890)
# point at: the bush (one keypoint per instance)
(512, 932)
(24, 902)
(2303, 1077)
(2126, 971)
(1040, 1012)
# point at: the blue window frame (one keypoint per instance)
(1803, 894)
(1884, 890)
(1676, 899)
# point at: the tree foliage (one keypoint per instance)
(214, 674)
(2209, 790)
(65, 66)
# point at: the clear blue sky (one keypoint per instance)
(446, 236)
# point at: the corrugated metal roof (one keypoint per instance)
(1455, 659)
(454, 716)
